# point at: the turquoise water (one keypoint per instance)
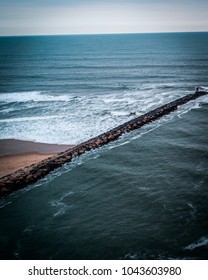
(141, 197)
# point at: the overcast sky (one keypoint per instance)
(31, 17)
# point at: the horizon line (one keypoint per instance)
(87, 34)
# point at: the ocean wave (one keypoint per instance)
(192, 105)
(160, 86)
(203, 241)
(82, 117)
(35, 118)
(193, 210)
(35, 96)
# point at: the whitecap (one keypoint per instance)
(120, 113)
(26, 119)
(75, 122)
(27, 96)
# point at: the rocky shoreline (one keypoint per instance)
(33, 173)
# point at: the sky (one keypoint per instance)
(47, 17)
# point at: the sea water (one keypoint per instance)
(143, 196)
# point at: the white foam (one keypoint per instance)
(27, 96)
(60, 205)
(203, 88)
(203, 241)
(86, 117)
(62, 208)
(28, 119)
(120, 113)
(3, 204)
(193, 104)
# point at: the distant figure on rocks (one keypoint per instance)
(23, 177)
(198, 89)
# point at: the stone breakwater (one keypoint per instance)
(33, 173)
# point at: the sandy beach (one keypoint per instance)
(17, 154)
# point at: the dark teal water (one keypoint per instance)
(142, 197)
(67, 89)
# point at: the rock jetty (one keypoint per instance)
(33, 173)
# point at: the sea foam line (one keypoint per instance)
(35, 96)
(203, 241)
(22, 178)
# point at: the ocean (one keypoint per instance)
(143, 196)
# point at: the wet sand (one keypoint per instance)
(18, 154)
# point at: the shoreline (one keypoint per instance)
(19, 154)
(33, 173)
